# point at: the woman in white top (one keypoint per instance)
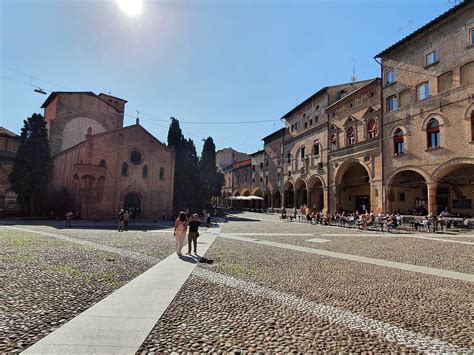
(180, 229)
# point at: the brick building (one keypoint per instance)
(428, 121)
(104, 165)
(354, 168)
(9, 143)
(342, 150)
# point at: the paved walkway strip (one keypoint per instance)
(120, 322)
(361, 259)
(392, 333)
(414, 236)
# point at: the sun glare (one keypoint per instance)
(131, 7)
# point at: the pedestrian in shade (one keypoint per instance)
(120, 220)
(126, 218)
(193, 233)
(180, 228)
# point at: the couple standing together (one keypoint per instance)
(180, 228)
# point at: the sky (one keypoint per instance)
(201, 61)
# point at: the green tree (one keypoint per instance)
(32, 165)
(177, 142)
(211, 179)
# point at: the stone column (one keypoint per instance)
(325, 206)
(376, 196)
(432, 189)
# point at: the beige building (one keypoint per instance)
(305, 147)
(273, 156)
(354, 151)
(428, 121)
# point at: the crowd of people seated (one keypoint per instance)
(429, 222)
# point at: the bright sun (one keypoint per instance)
(131, 7)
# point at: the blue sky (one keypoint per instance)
(200, 60)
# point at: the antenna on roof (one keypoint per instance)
(353, 77)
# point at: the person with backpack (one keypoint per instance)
(193, 233)
(180, 228)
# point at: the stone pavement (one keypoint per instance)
(120, 323)
(362, 259)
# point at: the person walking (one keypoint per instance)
(126, 218)
(193, 233)
(180, 228)
(69, 215)
(120, 220)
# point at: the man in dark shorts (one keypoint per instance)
(193, 233)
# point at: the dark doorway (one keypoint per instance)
(362, 204)
(132, 200)
(442, 199)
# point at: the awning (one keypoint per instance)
(245, 198)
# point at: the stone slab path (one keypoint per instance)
(120, 322)
(361, 259)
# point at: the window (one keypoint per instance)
(391, 103)
(423, 91)
(261, 165)
(261, 179)
(103, 163)
(288, 160)
(333, 142)
(302, 152)
(432, 132)
(372, 129)
(350, 136)
(389, 77)
(266, 162)
(162, 173)
(401, 197)
(404, 97)
(253, 167)
(311, 122)
(445, 81)
(398, 142)
(124, 169)
(432, 58)
(145, 171)
(278, 179)
(471, 36)
(467, 73)
(306, 125)
(136, 157)
(316, 149)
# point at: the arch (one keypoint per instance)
(466, 72)
(315, 193)
(236, 193)
(407, 191)
(420, 171)
(372, 128)
(301, 192)
(442, 120)
(433, 133)
(289, 184)
(132, 200)
(402, 127)
(245, 192)
(469, 111)
(353, 191)
(449, 166)
(346, 165)
(257, 192)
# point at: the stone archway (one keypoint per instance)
(453, 187)
(407, 192)
(301, 193)
(258, 204)
(289, 195)
(276, 198)
(267, 199)
(315, 193)
(132, 201)
(353, 188)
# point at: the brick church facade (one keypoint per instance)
(104, 165)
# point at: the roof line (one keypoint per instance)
(424, 27)
(353, 92)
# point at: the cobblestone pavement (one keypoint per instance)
(260, 298)
(46, 281)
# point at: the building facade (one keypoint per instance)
(428, 121)
(404, 142)
(111, 166)
(9, 143)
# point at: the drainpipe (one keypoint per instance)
(382, 136)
